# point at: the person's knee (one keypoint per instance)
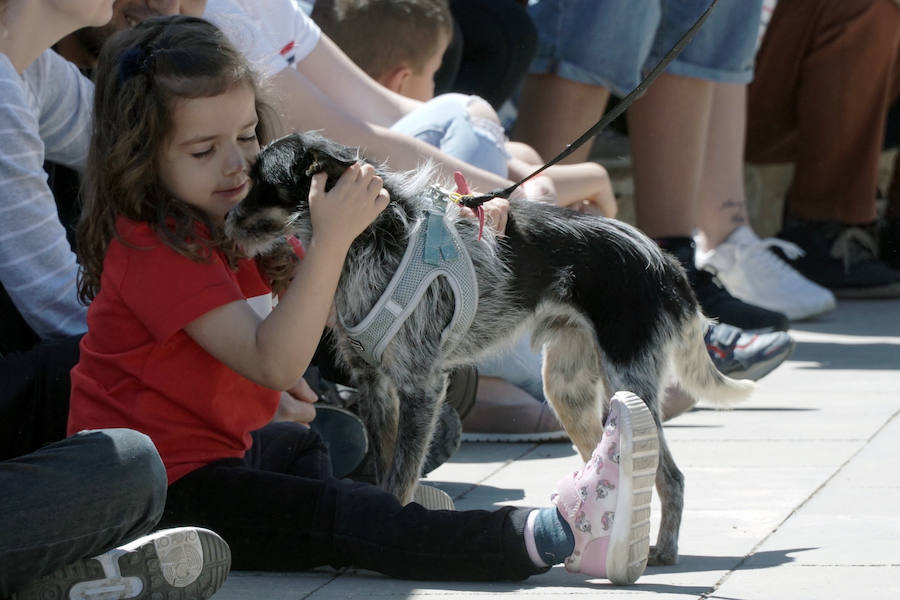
(882, 19)
(140, 469)
(480, 109)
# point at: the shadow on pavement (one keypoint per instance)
(689, 563)
(487, 494)
(825, 355)
(857, 317)
(756, 409)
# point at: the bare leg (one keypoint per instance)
(722, 204)
(553, 111)
(584, 187)
(668, 128)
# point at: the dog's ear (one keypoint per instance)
(321, 161)
(321, 155)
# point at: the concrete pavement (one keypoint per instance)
(793, 494)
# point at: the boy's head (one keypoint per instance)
(399, 43)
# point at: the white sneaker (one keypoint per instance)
(757, 276)
(176, 564)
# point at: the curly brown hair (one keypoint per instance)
(141, 73)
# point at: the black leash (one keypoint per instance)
(476, 201)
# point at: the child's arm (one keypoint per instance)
(304, 106)
(275, 351)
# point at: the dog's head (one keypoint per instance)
(278, 203)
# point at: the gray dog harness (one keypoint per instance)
(435, 250)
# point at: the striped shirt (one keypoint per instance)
(45, 113)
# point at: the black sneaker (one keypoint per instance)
(719, 304)
(889, 247)
(842, 258)
(461, 390)
(345, 435)
(444, 444)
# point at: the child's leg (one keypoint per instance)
(278, 522)
(289, 448)
(279, 509)
(584, 186)
(462, 126)
(76, 498)
(275, 521)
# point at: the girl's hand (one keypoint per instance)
(349, 207)
(297, 404)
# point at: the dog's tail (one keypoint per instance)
(696, 372)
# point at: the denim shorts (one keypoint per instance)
(614, 43)
(445, 123)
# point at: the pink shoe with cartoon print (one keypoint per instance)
(607, 502)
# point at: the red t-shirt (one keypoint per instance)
(138, 368)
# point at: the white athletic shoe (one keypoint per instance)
(757, 276)
(185, 563)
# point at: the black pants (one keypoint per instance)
(492, 47)
(34, 396)
(279, 509)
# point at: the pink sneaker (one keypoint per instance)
(607, 503)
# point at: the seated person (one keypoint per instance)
(408, 68)
(181, 292)
(63, 500)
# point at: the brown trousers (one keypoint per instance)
(826, 75)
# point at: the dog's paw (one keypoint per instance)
(658, 558)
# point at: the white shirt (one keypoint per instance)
(271, 34)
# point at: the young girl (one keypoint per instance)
(174, 351)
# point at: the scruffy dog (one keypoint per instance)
(611, 311)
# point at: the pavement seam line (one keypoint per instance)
(333, 578)
(814, 493)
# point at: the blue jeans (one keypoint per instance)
(444, 122)
(74, 499)
(614, 42)
(280, 510)
(519, 365)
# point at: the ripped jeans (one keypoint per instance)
(447, 123)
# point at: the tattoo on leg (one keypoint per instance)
(736, 208)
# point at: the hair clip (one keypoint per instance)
(133, 61)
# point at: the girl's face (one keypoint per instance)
(205, 160)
